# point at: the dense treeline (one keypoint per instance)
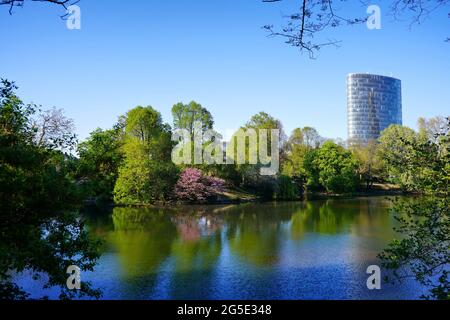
(131, 163)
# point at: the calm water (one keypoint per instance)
(301, 250)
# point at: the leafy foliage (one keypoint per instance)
(101, 155)
(38, 233)
(185, 116)
(370, 165)
(147, 174)
(264, 186)
(300, 146)
(332, 167)
(417, 162)
(395, 146)
(423, 251)
(287, 189)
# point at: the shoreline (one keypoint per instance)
(308, 196)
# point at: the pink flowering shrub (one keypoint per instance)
(193, 185)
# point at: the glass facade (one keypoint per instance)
(373, 103)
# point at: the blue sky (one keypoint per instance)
(160, 52)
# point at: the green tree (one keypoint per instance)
(37, 194)
(424, 224)
(311, 137)
(185, 116)
(336, 168)
(101, 155)
(250, 173)
(263, 120)
(396, 144)
(370, 168)
(311, 170)
(301, 141)
(148, 173)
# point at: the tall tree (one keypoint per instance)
(263, 120)
(370, 168)
(432, 128)
(250, 174)
(311, 137)
(185, 116)
(301, 141)
(395, 146)
(147, 174)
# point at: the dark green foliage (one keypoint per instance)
(100, 158)
(423, 252)
(287, 189)
(37, 191)
(311, 171)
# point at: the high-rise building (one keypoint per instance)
(373, 103)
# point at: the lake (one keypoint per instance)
(290, 250)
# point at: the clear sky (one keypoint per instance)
(160, 52)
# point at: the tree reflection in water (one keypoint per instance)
(189, 246)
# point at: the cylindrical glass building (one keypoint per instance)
(373, 103)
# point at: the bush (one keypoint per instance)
(194, 186)
(287, 189)
(145, 183)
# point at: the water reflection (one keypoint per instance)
(198, 243)
(142, 238)
(231, 251)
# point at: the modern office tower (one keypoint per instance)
(373, 103)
